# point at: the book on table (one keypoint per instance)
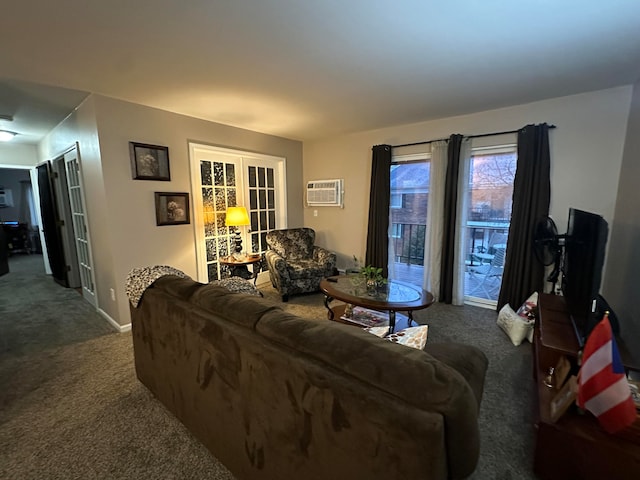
(369, 318)
(366, 317)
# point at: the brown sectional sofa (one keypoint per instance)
(275, 396)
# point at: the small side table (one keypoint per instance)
(238, 264)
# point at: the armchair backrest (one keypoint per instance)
(292, 243)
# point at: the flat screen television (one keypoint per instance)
(584, 251)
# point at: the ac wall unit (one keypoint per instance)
(327, 193)
(6, 199)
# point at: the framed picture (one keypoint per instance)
(172, 208)
(149, 162)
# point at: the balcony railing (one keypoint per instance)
(409, 245)
(482, 235)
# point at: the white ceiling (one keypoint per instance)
(309, 69)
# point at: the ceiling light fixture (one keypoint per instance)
(6, 135)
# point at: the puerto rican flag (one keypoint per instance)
(602, 386)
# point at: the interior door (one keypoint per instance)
(50, 224)
(222, 178)
(79, 222)
(65, 221)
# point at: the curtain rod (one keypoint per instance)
(467, 136)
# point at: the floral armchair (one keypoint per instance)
(295, 264)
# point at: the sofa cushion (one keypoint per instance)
(467, 360)
(304, 269)
(406, 373)
(217, 299)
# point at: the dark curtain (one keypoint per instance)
(523, 274)
(449, 226)
(377, 253)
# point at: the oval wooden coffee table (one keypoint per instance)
(395, 297)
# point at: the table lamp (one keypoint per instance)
(237, 217)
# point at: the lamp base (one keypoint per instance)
(238, 241)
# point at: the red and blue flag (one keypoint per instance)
(602, 385)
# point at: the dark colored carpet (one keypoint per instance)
(71, 407)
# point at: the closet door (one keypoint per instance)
(50, 225)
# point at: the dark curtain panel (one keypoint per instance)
(523, 274)
(379, 196)
(449, 226)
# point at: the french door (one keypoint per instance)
(487, 221)
(80, 229)
(222, 178)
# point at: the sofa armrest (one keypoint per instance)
(277, 267)
(324, 257)
(467, 360)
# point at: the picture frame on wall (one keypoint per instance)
(172, 208)
(149, 162)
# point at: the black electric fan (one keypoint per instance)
(548, 247)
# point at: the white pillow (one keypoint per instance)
(516, 327)
(527, 311)
(415, 337)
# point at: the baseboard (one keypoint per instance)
(113, 323)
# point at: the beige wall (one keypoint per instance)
(80, 128)
(122, 210)
(18, 155)
(586, 155)
(620, 285)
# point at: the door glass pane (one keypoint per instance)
(231, 174)
(205, 172)
(408, 218)
(488, 218)
(218, 173)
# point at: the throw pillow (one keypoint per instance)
(516, 327)
(415, 337)
(528, 311)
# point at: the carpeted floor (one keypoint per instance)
(71, 406)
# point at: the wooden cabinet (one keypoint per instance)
(574, 447)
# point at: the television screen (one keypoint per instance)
(585, 243)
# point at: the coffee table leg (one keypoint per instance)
(392, 321)
(410, 315)
(327, 300)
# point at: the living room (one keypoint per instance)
(594, 151)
